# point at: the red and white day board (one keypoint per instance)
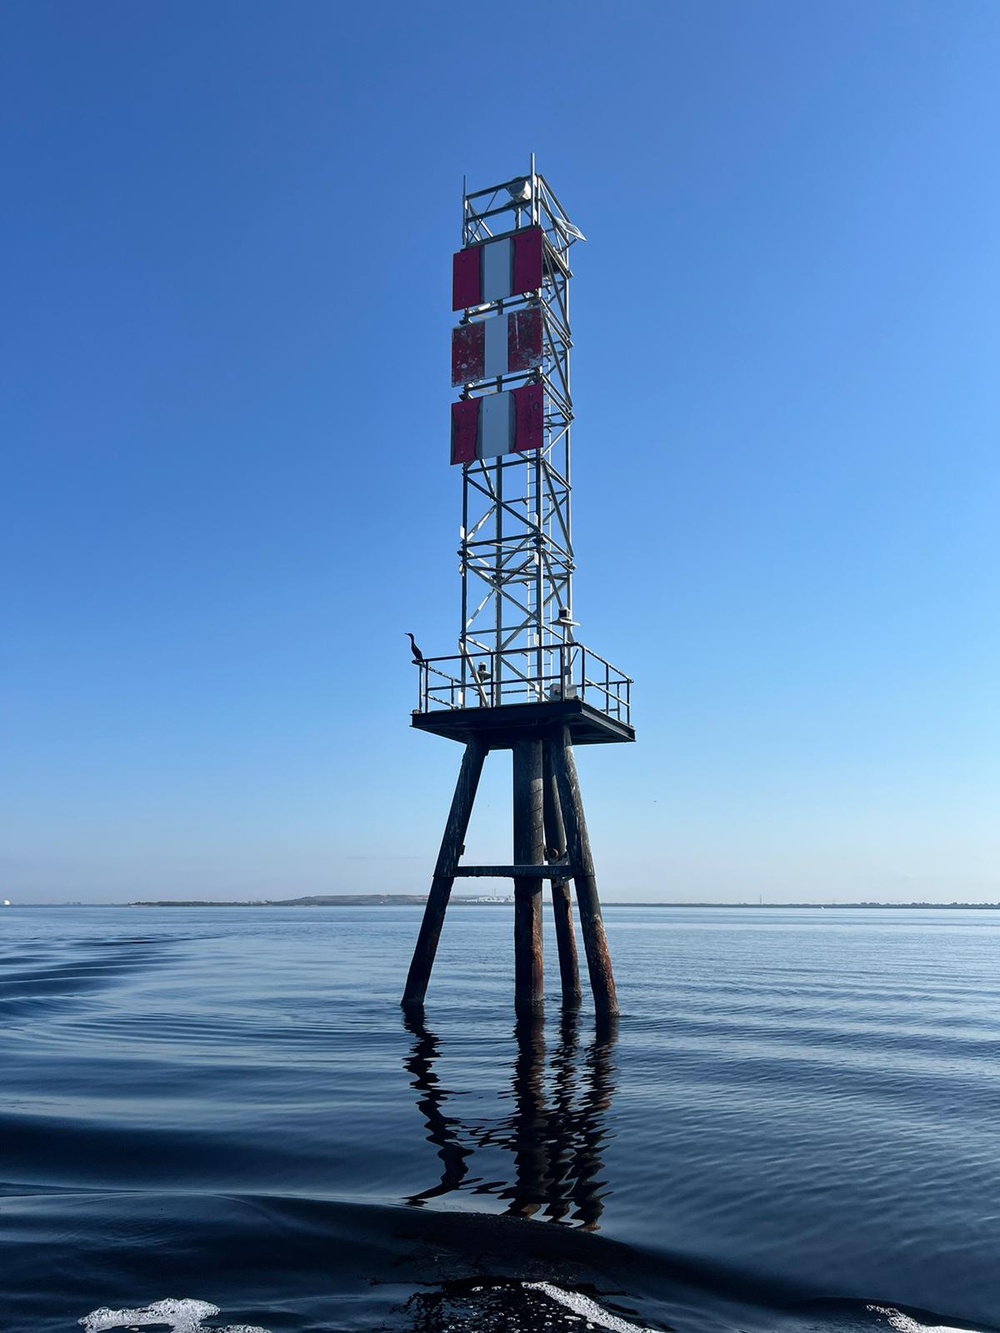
(494, 270)
(502, 345)
(500, 423)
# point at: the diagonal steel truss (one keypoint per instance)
(516, 542)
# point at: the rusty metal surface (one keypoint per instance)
(527, 273)
(529, 417)
(466, 285)
(468, 353)
(562, 906)
(602, 981)
(464, 431)
(524, 339)
(529, 849)
(444, 873)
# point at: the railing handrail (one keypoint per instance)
(498, 677)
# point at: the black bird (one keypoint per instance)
(418, 656)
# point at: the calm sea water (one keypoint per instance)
(218, 1118)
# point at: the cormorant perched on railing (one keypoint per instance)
(418, 656)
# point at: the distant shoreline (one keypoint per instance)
(372, 900)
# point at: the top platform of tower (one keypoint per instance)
(521, 695)
(501, 727)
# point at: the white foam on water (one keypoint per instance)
(180, 1316)
(903, 1323)
(586, 1309)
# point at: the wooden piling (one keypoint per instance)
(529, 849)
(562, 907)
(602, 980)
(452, 844)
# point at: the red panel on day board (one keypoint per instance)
(468, 353)
(464, 430)
(527, 260)
(466, 284)
(529, 418)
(524, 340)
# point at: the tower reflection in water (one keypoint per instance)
(554, 1134)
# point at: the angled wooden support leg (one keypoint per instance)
(602, 981)
(562, 907)
(444, 873)
(529, 849)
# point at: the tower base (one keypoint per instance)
(550, 842)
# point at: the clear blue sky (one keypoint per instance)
(225, 235)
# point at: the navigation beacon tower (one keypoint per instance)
(520, 680)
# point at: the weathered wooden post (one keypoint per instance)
(562, 907)
(444, 872)
(529, 849)
(602, 982)
(520, 681)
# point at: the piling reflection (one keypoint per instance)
(554, 1133)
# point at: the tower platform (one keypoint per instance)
(502, 727)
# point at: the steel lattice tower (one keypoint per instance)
(516, 539)
(520, 680)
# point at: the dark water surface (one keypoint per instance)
(795, 1127)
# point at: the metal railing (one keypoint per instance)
(481, 679)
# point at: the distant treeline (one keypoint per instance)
(418, 900)
(319, 900)
(823, 906)
(314, 900)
